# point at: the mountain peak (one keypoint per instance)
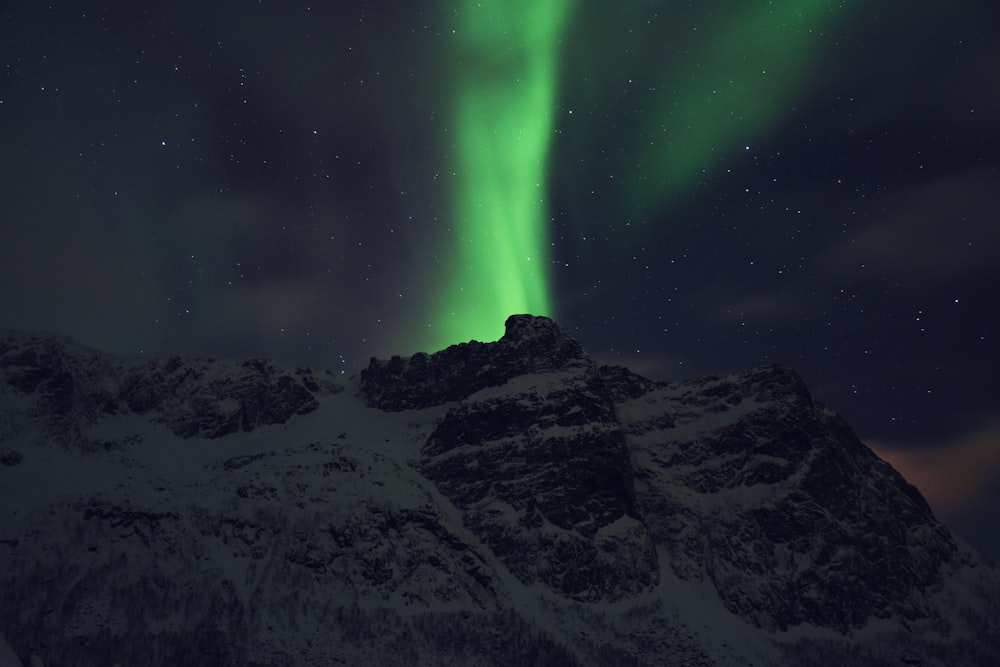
(530, 344)
(582, 515)
(520, 328)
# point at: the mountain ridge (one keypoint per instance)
(439, 507)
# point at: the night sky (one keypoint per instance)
(687, 187)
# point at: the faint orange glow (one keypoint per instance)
(953, 477)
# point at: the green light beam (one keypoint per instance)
(501, 123)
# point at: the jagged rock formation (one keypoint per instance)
(751, 483)
(76, 387)
(493, 503)
(530, 345)
(540, 469)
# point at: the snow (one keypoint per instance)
(147, 468)
(531, 383)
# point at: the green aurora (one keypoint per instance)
(737, 81)
(502, 114)
(723, 79)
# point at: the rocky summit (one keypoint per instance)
(503, 503)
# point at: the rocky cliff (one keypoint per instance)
(501, 503)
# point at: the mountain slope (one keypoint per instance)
(498, 503)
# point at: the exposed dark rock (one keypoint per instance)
(529, 345)
(620, 383)
(194, 398)
(627, 514)
(540, 468)
(64, 378)
(9, 457)
(808, 525)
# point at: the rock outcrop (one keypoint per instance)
(498, 503)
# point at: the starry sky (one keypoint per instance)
(687, 187)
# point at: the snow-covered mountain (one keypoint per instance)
(507, 503)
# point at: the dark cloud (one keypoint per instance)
(941, 230)
(957, 477)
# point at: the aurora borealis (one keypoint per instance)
(700, 188)
(742, 73)
(504, 102)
